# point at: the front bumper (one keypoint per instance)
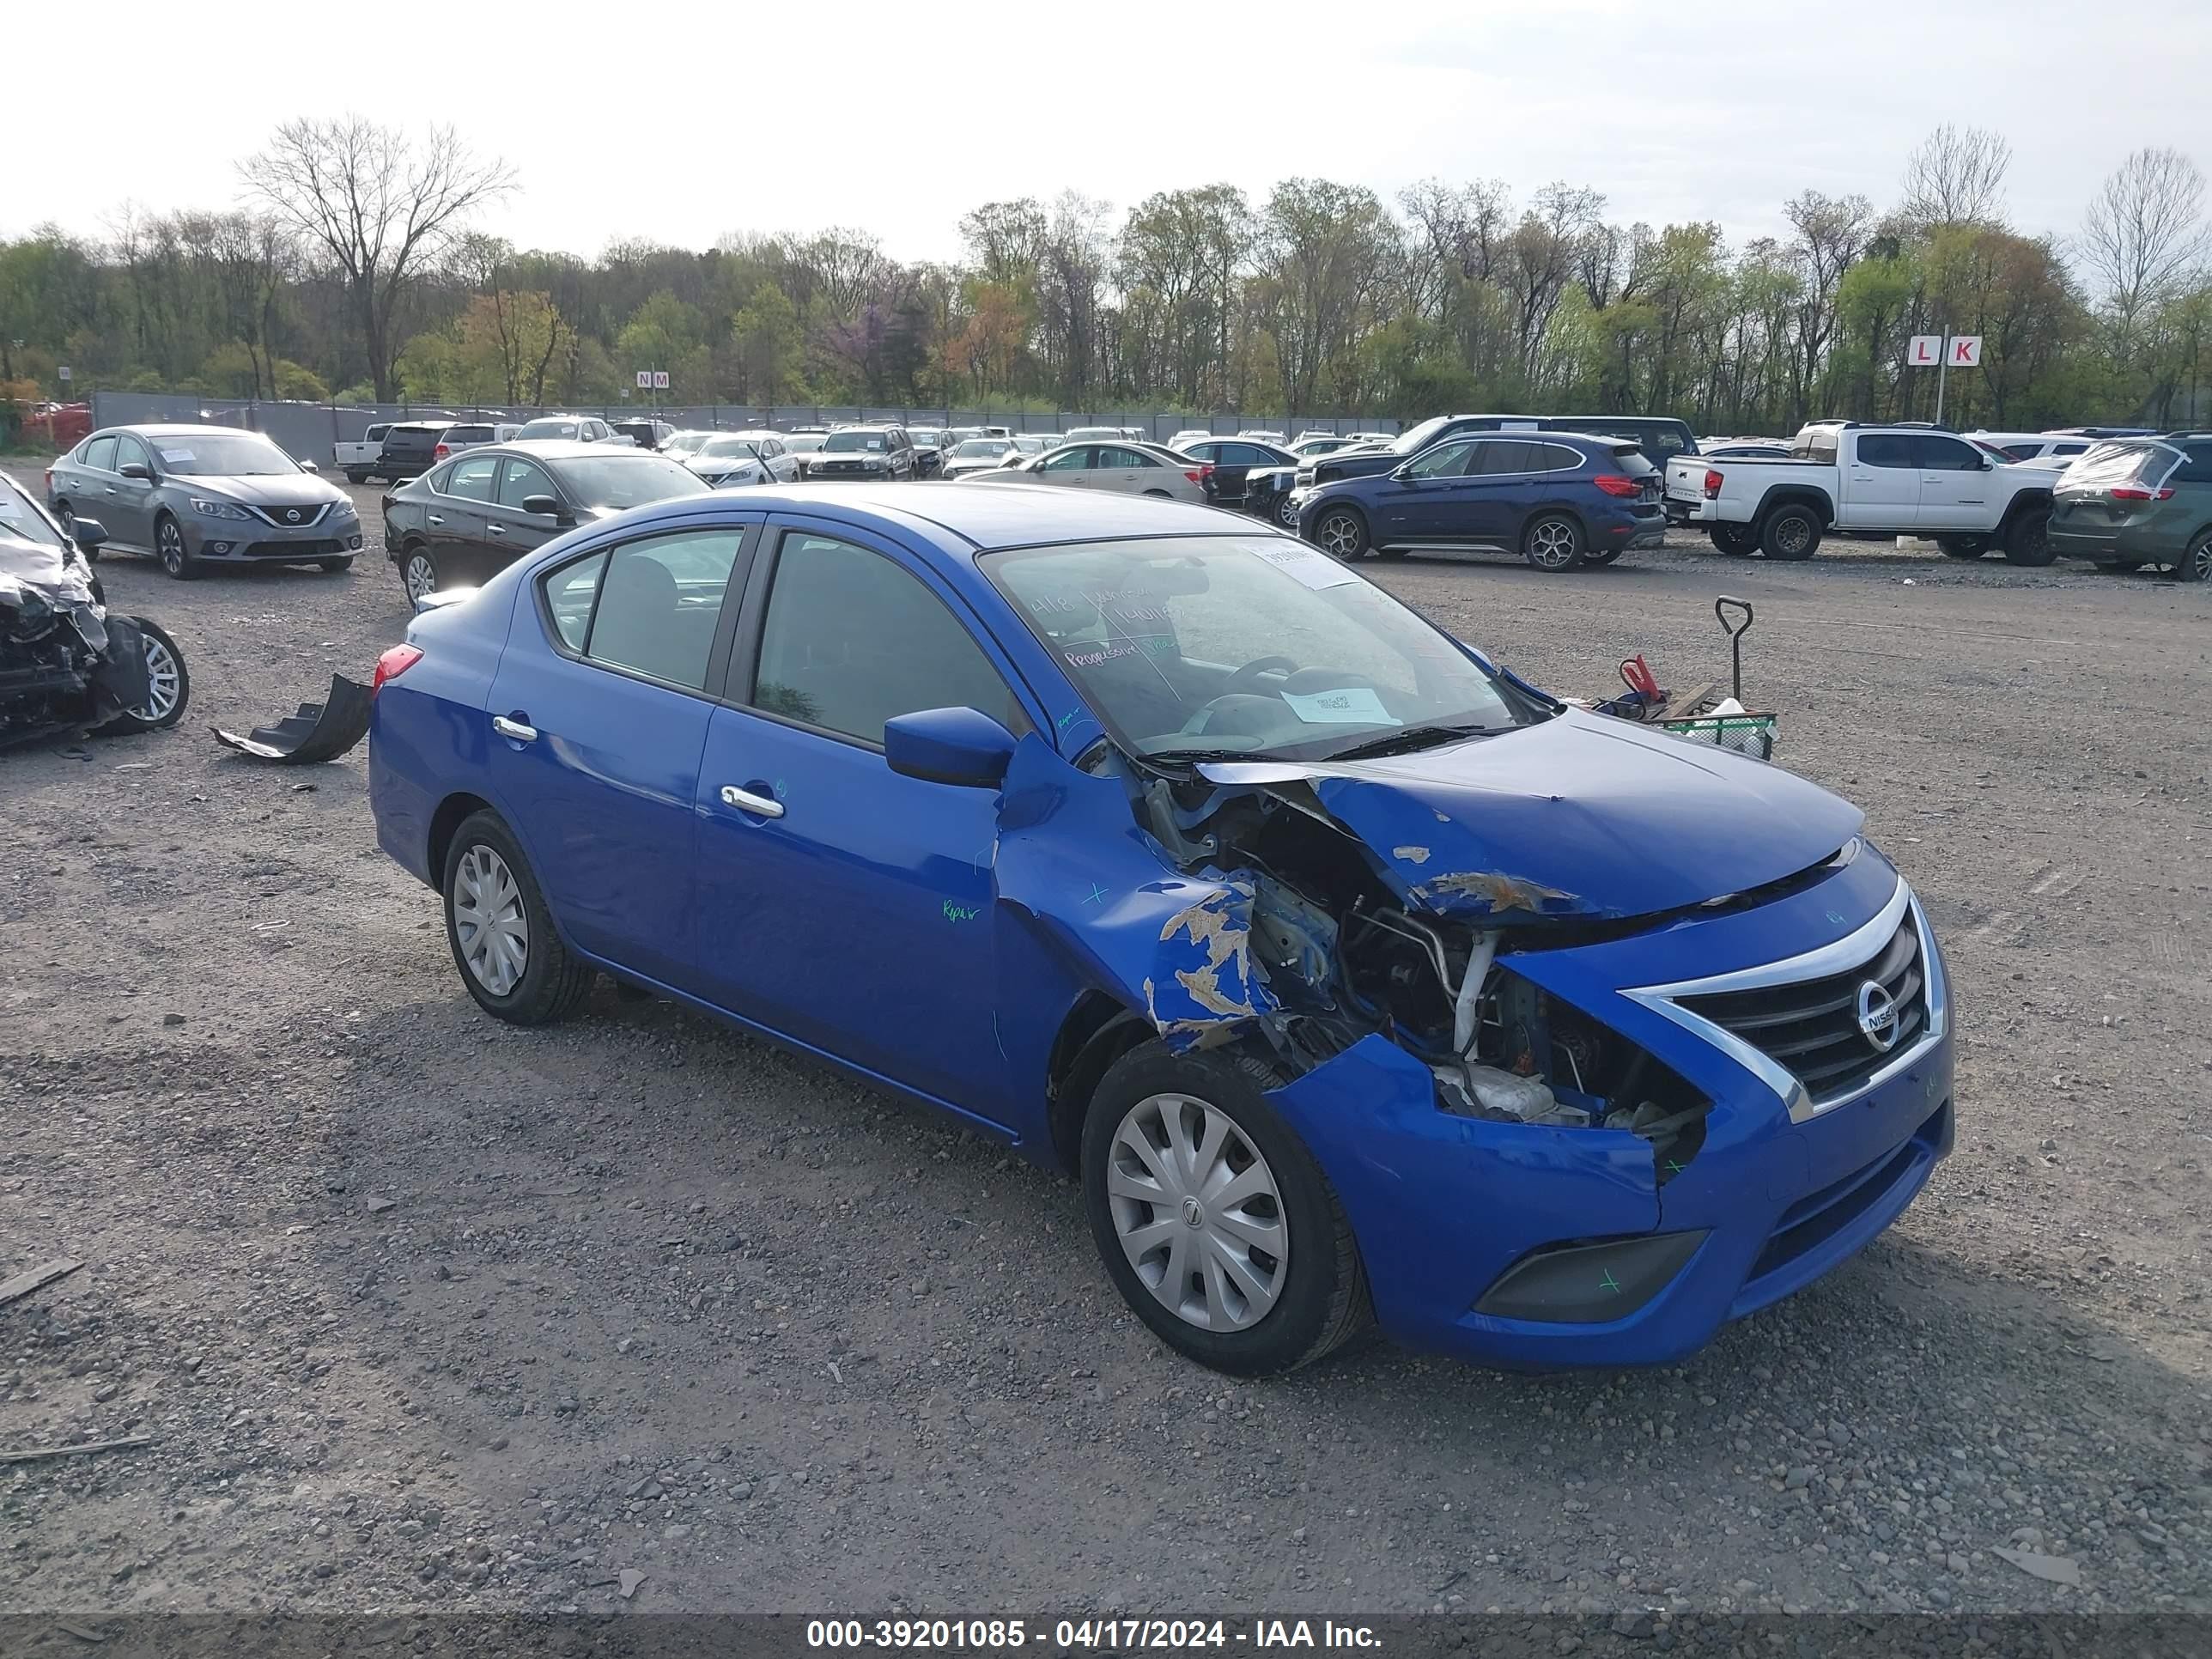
(1447, 1208)
(232, 541)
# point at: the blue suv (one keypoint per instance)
(1561, 500)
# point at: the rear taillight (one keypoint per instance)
(392, 664)
(1712, 484)
(1199, 475)
(441, 451)
(1614, 483)
(50, 483)
(2134, 493)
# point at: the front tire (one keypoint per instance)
(169, 549)
(2196, 565)
(1790, 532)
(169, 687)
(1214, 1221)
(1341, 533)
(2028, 541)
(355, 476)
(501, 935)
(1552, 542)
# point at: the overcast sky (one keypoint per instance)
(681, 123)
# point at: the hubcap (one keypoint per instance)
(1554, 542)
(1286, 514)
(1791, 536)
(2200, 560)
(162, 682)
(172, 546)
(1340, 535)
(421, 576)
(1198, 1213)
(489, 920)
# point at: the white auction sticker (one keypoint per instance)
(1315, 569)
(1348, 705)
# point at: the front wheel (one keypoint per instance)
(169, 686)
(501, 935)
(169, 549)
(2028, 541)
(1342, 534)
(1214, 1221)
(1790, 533)
(1552, 542)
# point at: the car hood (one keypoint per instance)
(1355, 464)
(273, 489)
(1582, 818)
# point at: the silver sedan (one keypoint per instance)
(1132, 468)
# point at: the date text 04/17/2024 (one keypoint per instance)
(1116, 1635)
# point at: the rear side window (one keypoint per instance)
(2026, 452)
(373, 436)
(851, 640)
(569, 592)
(100, 454)
(1557, 458)
(655, 606)
(1887, 449)
(1631, 460)
(1815, 444)
(1508, 455)
(471, 478)
(2196, 466)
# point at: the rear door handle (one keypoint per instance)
(437, 518)
(515, 729)
(744, 800)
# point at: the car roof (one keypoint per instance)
(560, 449)
(181, 428)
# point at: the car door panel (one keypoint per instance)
(127, 508)
(875, 889)
(1882, 484)
(604, 788)
(1440, 501)
(508, 531)
(457, 517)
(1955, 487)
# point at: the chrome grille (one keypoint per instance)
(280, 515)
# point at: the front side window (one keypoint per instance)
(1444, 461)
(128, 449)
(471, 478)
(1241, 645)
(852, 640)
(523, 479)
(1946, 454)
(658, 603)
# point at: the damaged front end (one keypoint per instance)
(66, 667)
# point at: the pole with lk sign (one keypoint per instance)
(1942, 355)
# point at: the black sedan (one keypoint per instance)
(485, 509)
(1247, 473)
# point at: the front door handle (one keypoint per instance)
(515, 729)
(497, 529)
(744, 800)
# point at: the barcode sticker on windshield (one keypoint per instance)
(1348, 705)
(1314, 568)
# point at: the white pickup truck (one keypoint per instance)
(1855, 479)
(358, 460)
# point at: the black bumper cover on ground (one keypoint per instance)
(319, 731)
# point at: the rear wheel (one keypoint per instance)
(1790, 532)
(1286, 514)
(1602, 555)
(1215, 1223)
(1342, 534)
(419, 573)
(502, 936)
(355, 476)
(169, 549)
(1963, 547)
(1552, 542)
(2028, 541)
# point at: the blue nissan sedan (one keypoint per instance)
(1560, 500)
(1354, 978)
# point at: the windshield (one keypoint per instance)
(983, 447)
(617, 481)
(21, 520)
(841, 441)
(1419, 437)
(731, 447)
(548, 429)
(1241, 644)
(2118, 464)
(803, 443)
(684, 443)
(220, 455)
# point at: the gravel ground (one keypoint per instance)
(422, 1311)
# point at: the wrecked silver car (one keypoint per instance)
(68, 666)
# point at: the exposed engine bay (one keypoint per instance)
(66, 665)
(1345, 956)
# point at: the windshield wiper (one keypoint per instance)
(1409, 738)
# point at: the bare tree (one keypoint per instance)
(380, 208)
(1956, 176)
(1832, 233)
(2144, 231)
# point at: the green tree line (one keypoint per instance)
(349, 268)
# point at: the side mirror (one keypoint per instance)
(137, 469)
(88, 533)
(309, 466)
(1988, 464)
(1402, 471)
(962, 746)
(545, 507)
